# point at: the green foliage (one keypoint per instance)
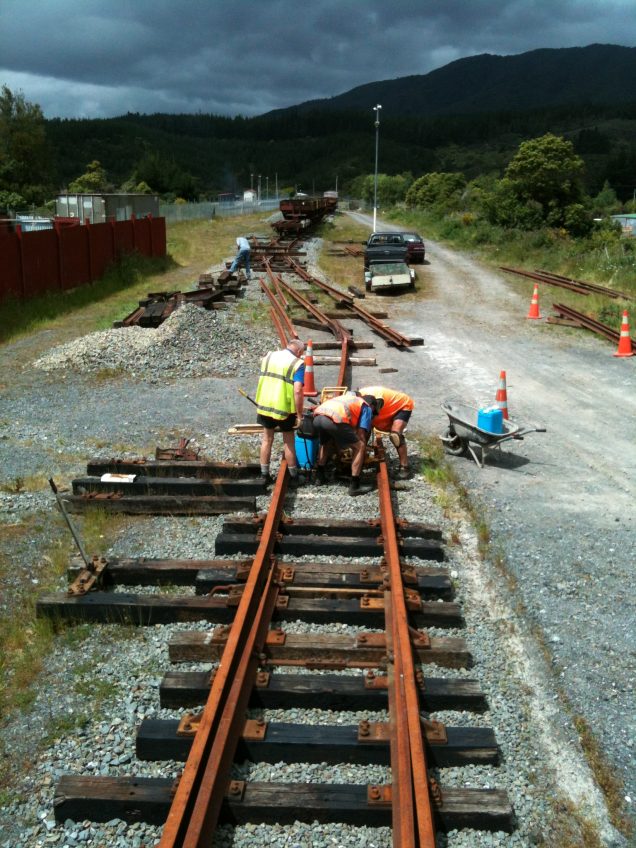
(26, 175)
(165, 176)
(91, 182)
(435, 188)
(547, 171)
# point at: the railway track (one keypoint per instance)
(251, 601)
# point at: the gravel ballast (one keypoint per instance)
(100, 682)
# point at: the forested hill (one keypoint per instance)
(468, 116)
(539, 79)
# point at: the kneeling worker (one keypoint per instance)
(392, 419)
(345, 422)
(279, 401)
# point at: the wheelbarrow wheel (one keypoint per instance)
(453, 444)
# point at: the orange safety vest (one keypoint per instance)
(393, 402)
(344, 409)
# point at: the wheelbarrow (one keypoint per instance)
(463, 433)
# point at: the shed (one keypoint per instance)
(627, 222)
(99, 208)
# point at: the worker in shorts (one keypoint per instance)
(279, 403)
(345, 422)
(392, 419)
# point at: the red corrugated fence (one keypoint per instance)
(68, 256)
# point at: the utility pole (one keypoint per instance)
(376, 109)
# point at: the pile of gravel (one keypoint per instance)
(192, 342)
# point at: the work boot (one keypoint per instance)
(321, 477)
(295, 482)
(355, 487)
(403, 473)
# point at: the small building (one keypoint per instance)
(99, 208)
(627, 222)
(249, 196)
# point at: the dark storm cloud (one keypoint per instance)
(95, 58)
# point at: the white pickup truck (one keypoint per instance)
(388, 275)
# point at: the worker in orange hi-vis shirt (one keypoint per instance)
(393, 419)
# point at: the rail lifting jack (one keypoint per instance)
(93, 568)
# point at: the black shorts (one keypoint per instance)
(284, 424)
(344, 435)
(402, 415)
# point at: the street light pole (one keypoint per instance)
(376, 109)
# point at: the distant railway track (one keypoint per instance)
(248, 602)
(578, 286)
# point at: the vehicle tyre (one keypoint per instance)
(367, 286)
(453, 445)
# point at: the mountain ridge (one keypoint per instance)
(541, 78)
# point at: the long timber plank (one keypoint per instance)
(157, 739)
(177, 468)
(148, 799)
(323, 691)
(354, 546)
(163, 609)
(191, 486)
(320, 650)
(159, 504)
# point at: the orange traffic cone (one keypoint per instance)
(534, 304)
(310, 388)
(502, 395)
(624, 341)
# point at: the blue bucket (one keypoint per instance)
(490, 420)
(306, 451)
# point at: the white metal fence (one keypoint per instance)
(174, 212)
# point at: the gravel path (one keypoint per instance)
(560, 506)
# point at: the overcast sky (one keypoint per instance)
(99, 58)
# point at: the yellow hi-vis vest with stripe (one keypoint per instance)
(275, 392)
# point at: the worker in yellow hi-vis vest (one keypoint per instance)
(279, 401)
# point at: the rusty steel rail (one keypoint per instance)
(343, 298)
(540, 278)
(283, 325)
(588, 323)
(589, 287)
(412, 813)
(197, 802)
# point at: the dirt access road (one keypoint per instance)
(560, 504)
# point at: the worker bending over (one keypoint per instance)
(392, 419)
(279, 401)
(345, 422)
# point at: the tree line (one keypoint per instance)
(194, 157)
